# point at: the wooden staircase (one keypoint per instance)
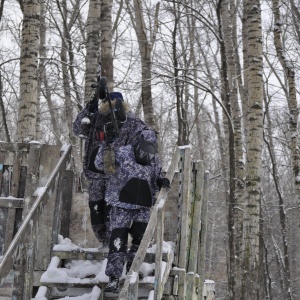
(36, 188)
(62, 278)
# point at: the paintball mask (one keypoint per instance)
(144, 151)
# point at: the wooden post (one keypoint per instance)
(15, 181)
(30, 258)
(158, 288)
(202, 245)
(208, 290)
(175, 286)
(19, 273)
(133, 286)
(32, 176)
(67, 196)
(181, 284)
(196, 220)
(190, 286)
(185, 166)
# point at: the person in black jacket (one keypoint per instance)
(95, 125)
(131, 193)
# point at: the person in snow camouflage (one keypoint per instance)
(94, 124)
(131, 193)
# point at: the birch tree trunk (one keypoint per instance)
(106, 43)
(145, 47)
(291, 96)
(26, 127)
(92, 47)
(227, 74)
(285, 268)
(43, 77)
(236, 225)
(252, 281)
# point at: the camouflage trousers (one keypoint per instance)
(99, 210)
(122, 223)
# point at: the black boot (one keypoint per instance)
(112, 286)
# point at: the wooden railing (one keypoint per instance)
(44, 197)
(37, 173)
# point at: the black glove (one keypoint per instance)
(92, 105)
(163, 182)
(86, 124)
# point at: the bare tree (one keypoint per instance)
(26, 129)
(106, 42)
(92, 46)
(252, 281)
(146, 44)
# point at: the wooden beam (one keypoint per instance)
(196, 220)
(11, 202)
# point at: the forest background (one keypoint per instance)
(220, 75)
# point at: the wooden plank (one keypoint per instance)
(165, 277)
(21, 190)
(19, 276)
(202, 247)
(133, 287)
(15, 160)
(22, 181)
(6, 181)
(30, 261)
(13, 147)
(182, 261)
(50, 155)
(67, 196)
(87, 254)
(11, 202)
(175, 285)
(9, 228)
(32, 176)
(158, 288)
(196, 222)
(2, 153)
(180, 281)
(190, 286)
(209, 290)
(9, 257)
(15, 179)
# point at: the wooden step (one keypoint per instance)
(61, 290)
(59, 284)
(95, 254)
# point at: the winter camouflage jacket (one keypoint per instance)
(133, 186)
(94, 134)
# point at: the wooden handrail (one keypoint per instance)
(42, 197)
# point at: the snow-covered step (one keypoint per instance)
(95, 254)
(65, 249)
